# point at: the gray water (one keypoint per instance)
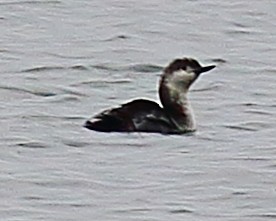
(64, 61)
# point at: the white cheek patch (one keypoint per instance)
(183, 77)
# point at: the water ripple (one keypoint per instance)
(250, 159)
(77, 144)
(32, 144)
(177, 211)
(144, 68)
(248, 126)
(101, 82)
(51, 68)
(239, 32)
(239, 25)
(264, 215)
(212, 87)
(259, 112)
(254, 104)
(79, 67)
(133, 210)
(65, 98)
(34, 92)
(33, 198)
(53, 118)
(240, 128)
(30, 2)
(239, 193)
(218, 60)
(67, 56)
(44, 68)
(269, 70)
(118, 37)
(68, 90)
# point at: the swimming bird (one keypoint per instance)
(175, 116)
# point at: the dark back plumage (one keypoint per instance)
(138, 115)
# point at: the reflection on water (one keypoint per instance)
(62, 62)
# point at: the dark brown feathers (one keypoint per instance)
(137, 115)
(178, 64)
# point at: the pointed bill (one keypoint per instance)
(204, 69)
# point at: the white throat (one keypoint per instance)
(178, 84)
(181, 80)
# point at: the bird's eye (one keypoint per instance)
(184, 68)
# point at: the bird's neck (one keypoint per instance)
(177, 106)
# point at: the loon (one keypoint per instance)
(175, 116)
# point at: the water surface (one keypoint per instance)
(63, 61)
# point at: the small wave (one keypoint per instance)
(30, 2)
(33, 198)
(67, 56)
(144, 68)
(101, 82)
(43, 93)
(77, 144)
(218, 60)
(70, 118)
(118, 81)
(34, 92)
(259, 112)
(80, 205)
(65, 98)
(241, 128)
(118, 37)
(212, 87)
(264, 215)
(250, 104)
(51, 68)
(250, 126)
(106, 67)
(179, 211)
(32, 144)
(67, 93)
(239, 32)
(251, 159)
(239, 193)
(239, 25)
(269, 70)
(44, 68)
(70, 91)
(3, 50)
(79, 67)
(54, 118)
(131, 210)
(254, 104)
